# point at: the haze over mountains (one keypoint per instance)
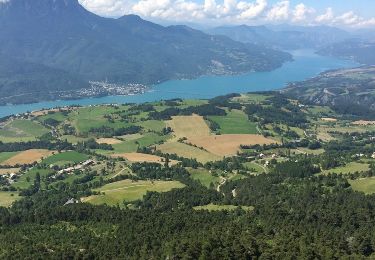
(285, 37)
(49, 45)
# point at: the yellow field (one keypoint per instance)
(141, 157)
(28, 157)
(108, 141)
(188, 151)
(224, 145)
(363, 122)
(329, 119)
(10, 170)
(189, 126)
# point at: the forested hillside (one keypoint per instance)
(61, 37)
(359, 50)
(240, 176)
(347, 91)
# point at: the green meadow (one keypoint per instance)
(366, 185)
(235, 122)
(127, 190)
(22, 130)
(65, 158)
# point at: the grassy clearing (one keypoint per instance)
(349, 168)
(251, 98)
(58, 116)
(152, 125)
(320, 110)
(73, 139)
(366, 185)
(65, 158)
(135, 141)
(27, 179)
(188, 151)
(189, 126)
(108, 141)
(235, 122)
(256, 168)
(86, 118)
(21, 131)
(213, 207)
(193, 102)
(302, 150)
(127, 190)
(204, 176)
(7, 198)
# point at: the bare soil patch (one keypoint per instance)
(224, 145)
(28, 157)
(141, 157)
(8, 171)
(108, 141)
(363, 122)
(329, 119)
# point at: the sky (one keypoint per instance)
(340, 13)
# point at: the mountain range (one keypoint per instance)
(286, 37)
(57, 45)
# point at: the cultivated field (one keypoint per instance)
(235, 122)
(28, 157)
(108, 141)
(127, 190)
(4, 156)
(224, 145)
(9, 170)
(189, 126)
(141, 157)
(187, 151)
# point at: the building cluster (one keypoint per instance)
(80, 166)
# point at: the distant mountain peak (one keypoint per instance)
(36, 6)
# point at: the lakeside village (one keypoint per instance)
(99, 89)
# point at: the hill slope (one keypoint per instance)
(284, 36)
(362, 51)
(63, 35)
(348, 91)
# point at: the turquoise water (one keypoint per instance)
(306, 64)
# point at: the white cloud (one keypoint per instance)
(251, 10)
(301, 12)
(184, 10)
(106, 7)
(326, 17)
(279, 11)
(225, 11)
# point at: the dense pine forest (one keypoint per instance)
(161, 180)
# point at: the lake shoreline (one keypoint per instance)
(305, 64)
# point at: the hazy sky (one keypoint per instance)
(343, 13)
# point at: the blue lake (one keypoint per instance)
(306, 64)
